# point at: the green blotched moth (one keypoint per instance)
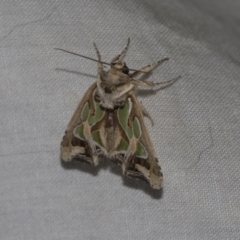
(108, 122)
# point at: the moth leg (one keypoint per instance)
(143, 83)
(148, 68)
(100, 65)
(146, 113)
(146, 83)
(123, 92)
(168, 83)
(116, 58)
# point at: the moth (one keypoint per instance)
(108, 122)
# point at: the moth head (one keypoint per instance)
(116, 76)
(121, 66)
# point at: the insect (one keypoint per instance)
(108, 122)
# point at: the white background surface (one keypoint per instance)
(197, 120)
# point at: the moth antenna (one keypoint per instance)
(92, 59)
(121, 55)
(97, 51)
(126, 48)
(95, 60)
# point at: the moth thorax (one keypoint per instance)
(107, 103)
(104, 100)
(107, 88)
(109, 100)
(113, 78)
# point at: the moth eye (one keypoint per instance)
(125, 69)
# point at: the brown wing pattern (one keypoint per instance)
(72, 147)
(146, 168)
(136, 155)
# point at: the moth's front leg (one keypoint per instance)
(147, 68)
(146, 83)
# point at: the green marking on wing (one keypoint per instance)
(98, 114)
(89, 120)
(141, 151)
(78, 132)
(96, 137)
(85, 112)
(123, 145)
(134, 132)
(123, 114)
(136, 128)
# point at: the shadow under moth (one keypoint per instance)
(108, 122)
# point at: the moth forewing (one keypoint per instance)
(108, 123)
(70, 147)
(148, 167)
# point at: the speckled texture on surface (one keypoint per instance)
(196, 132)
